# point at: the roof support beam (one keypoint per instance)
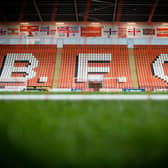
(100, 1)
(152, 11)
(22, 10)
(87, 10)
(37, 10)
(119, 11)
(96, 9)
(54, 11)
(115, 9)
(101, 8)
(76, 10)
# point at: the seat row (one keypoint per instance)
(80, 63)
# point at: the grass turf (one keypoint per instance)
(83, 134)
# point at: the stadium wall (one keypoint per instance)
(97, 41)
(83, 33)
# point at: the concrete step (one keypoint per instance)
(57, 68)
(132, 67)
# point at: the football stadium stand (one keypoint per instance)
(84, 66)
(79, 61)
(151, 65)
(36, 64)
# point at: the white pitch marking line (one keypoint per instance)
(83, 97)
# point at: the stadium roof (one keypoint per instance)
(84, 10)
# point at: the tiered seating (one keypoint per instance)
(118, 66)
(44, 54)
(146, 57)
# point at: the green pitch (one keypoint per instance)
(83, 134)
